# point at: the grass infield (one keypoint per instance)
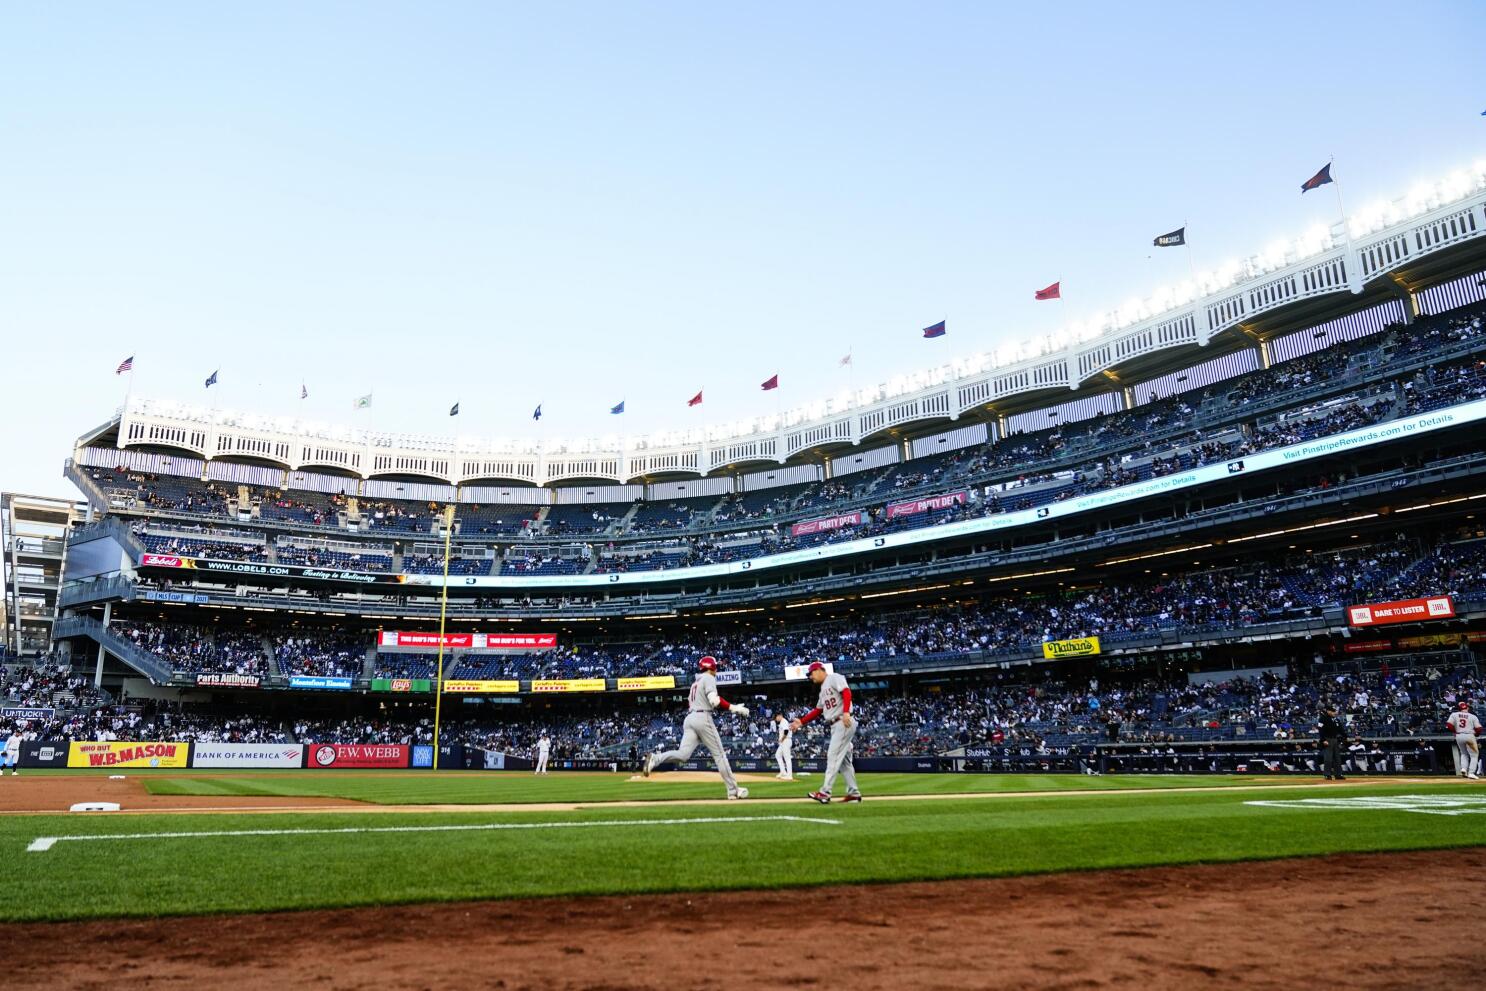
(312, 860)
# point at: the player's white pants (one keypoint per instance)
(541, 764)
(786, 761)
(1467, 753)
(839, 758)
(700, 729)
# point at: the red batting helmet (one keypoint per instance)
(1463, 705)
(708, 663)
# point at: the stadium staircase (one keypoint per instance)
(146, 663)
(274, 677)
(621, 525)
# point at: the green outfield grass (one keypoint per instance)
(885, 841)
(474, 788)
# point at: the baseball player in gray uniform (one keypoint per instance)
(834, 706)
(1466, 727)
(699, 728)
(784, 752)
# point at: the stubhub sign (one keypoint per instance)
(247, 755)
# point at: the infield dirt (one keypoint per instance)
(1364, 920)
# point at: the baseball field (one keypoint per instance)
(392, 874)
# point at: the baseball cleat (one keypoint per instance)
(740, 793)
(823, 797)
(1473, 777)
(649, 765)
(855, 796)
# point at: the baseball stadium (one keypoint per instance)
(1146, 649)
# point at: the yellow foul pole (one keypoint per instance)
(438, 685)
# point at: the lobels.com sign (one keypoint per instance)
(250, 569)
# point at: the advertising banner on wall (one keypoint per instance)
(730, 677)
(402, 684)
(804, 529)
(247, 755)
(915, 506)
(641, 684)
(1402, 611)
(799, 672)
(89, 754)
(25, 713)
(357, 755)
(253, 569)
(570, 685)
(44, 753)
(482, 687)
(468, 641)
(1082, 647)
(319, 681)
(217, 679)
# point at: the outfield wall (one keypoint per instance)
(1402, 755)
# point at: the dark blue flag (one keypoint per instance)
(211, 379)
(536, 414)
(454, 410)
(1318, 180)
(935, 331)
(616, 410)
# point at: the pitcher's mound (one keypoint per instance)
(747, 779)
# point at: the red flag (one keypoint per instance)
(772, 382)
(695, 400)
(1054, 291)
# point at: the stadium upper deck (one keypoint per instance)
(1420, 254)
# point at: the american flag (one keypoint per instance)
(127, 365)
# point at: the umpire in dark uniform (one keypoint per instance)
(1333, 742)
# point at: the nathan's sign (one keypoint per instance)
(1082, 647)
(468, 641)
(570, 685)
(825, 525)
(915, 506)
(87, 754)
(216, 679)
(482, 687)
(253, 569)
(641, 684)
(1402, 611)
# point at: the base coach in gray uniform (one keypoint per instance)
(834, 707)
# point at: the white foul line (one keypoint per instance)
(43, 843)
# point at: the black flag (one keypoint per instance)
(454, 410)
(1172, 240)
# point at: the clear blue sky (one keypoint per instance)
(575, 204)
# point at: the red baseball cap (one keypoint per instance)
(814, 667)
(708, 663)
